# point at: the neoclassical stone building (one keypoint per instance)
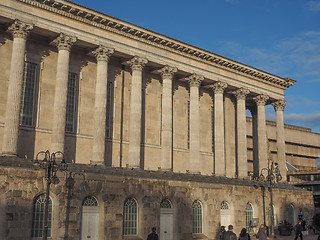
(154, 131)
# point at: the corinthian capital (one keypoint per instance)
(137, 63)
(20, 29)
(195, 80)
(241, 93)
(64, 42)
(279, 105)
(103, 53)
(261, 100)
(167, 72)
(219, 87)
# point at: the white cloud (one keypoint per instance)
(313, 6)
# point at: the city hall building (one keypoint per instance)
(154, 132)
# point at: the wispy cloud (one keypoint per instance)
(313, 6)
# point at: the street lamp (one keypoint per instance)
(270, 175)
(51, 163)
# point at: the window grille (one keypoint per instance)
(130, 217)
(249, 217)
(38, 216)
(188, 122)
(165, 204)
(28, 94)
(224, 206)
(196, 217)
(90, 201)
(212, 129)
(109, 109)
(71, 102)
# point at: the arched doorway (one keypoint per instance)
(166, 220)
(225, 214)
(90, 219)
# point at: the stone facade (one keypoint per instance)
(141, 104)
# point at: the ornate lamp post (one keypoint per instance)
(270, 175)
(51, 163)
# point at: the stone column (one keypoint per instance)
(137, 65)
(219, 148)
(194, 155)
(281, 145)
(100, 105)
(242, 133)
(261, 101)
(166, 127)
(20, 33)
(63, 43)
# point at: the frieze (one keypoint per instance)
(115, 25)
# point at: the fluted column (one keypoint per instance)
(261, 101)
(167, 73)
(281, 145)
(194, 82)
(63, 43)
(219, 148)
(241, 132)
(137, 65)
(20, 33)
(100, 105)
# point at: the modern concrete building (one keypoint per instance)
(154, 131)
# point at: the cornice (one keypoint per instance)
(76, 12)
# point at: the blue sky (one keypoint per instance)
(278, 36)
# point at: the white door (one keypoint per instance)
(90, 224)
(166, 224)
(225, 219)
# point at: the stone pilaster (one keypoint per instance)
(242, 161)
(20, 33)
(281, 145)
(219, 148)
(261, 101)
(167, 73)
(100, 105)
(137, 64)
(64, 44)
(194, 82)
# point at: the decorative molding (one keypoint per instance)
(167, 72)
(123, 28)
(19, 29)
(219, 87)
(137, 63)
(64, 42)
(103, 53)
(261, 100)
(279, 105)
(195, 80)
(241, 93)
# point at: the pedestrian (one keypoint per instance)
(153, 235)
(262, 233)
(229, 235)
(298, 229)
(222, 231)
(244, 235)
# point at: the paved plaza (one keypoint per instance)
(310, 236)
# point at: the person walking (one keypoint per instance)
(221, 232)
(229, 235)
(298, 229)
(262, 233)
(153, 235)
(244, 235)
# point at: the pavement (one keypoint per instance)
(310, 236)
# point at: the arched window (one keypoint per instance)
(196, 217)
(90, 218)
(38, 216)
(249, 217)
(130, 216)
(165, 204)
(225, 214)
(291, 217)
